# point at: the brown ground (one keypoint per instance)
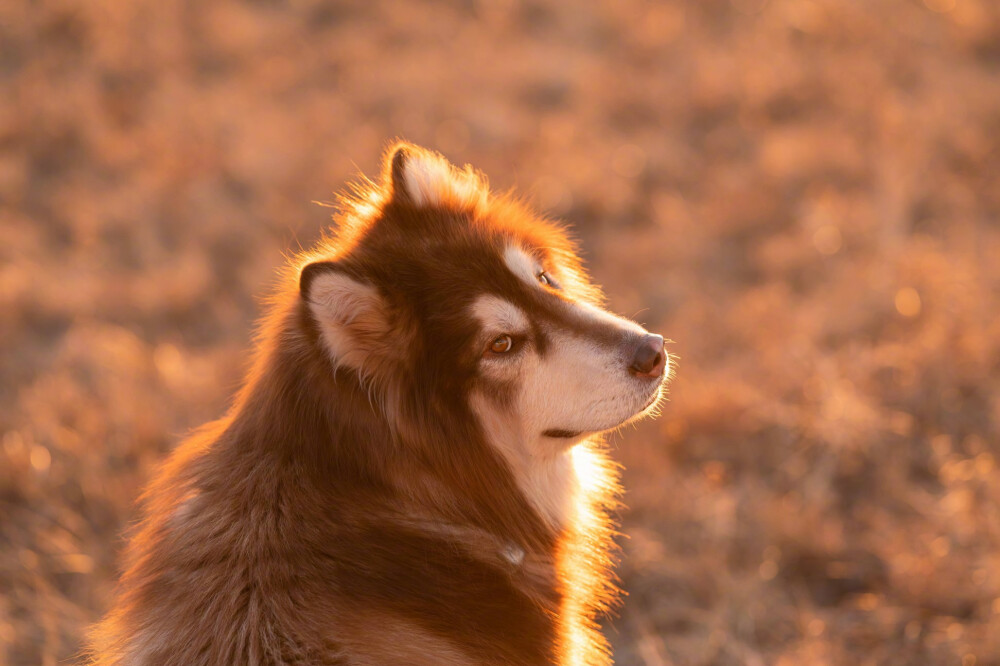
(804, 194)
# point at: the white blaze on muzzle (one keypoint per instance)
(582, 383)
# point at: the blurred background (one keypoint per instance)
(803, 194)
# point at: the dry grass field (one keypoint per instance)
(803, 194)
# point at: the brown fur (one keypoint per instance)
(343, 515)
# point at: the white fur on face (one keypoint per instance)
(528, 268)
(497, 315)
(580, 386)
(522, 265)
(432, 181)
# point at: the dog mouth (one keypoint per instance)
(557, 433)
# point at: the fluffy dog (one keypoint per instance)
(412, 472)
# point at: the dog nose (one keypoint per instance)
(649, 357)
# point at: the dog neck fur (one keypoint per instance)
(548, 481)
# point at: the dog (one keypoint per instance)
(413, 471)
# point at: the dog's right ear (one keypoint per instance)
(352, 315)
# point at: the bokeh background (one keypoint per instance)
(803, 194)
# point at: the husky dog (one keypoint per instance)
(412, 472)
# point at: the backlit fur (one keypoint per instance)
(386, 488)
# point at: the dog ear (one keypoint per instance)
(352, 316)
(400, 155)
(423, 178)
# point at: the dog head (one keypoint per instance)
(434, 287)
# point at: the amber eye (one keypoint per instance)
(502, 344)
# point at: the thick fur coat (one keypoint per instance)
(412, 472)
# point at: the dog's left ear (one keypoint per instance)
(423, 178)
(352, 316)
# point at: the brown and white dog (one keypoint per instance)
(412, 472)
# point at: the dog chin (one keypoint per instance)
(651, 403)
(648, 407)
(579, 433)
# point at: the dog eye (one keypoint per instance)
(502, 344)
(547, 280)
